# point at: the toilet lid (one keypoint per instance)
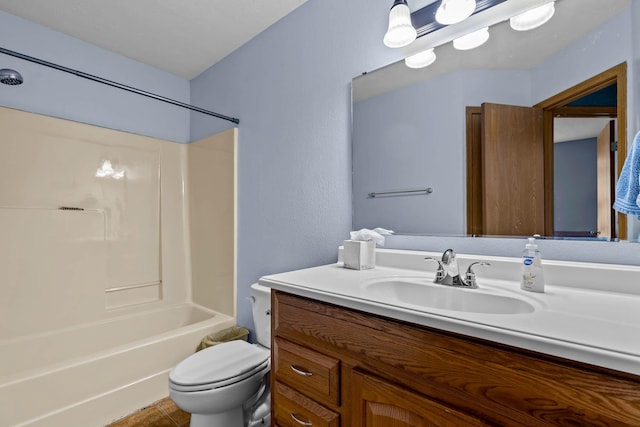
(219, 364)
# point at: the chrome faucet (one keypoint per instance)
(449, 275)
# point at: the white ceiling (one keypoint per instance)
(573, 129)
(183, 37)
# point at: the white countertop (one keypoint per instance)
(588, 323)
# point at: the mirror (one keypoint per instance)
(410, 125)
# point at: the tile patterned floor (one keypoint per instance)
(164, 413)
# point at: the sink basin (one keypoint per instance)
(422, 292)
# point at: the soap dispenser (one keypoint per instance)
(532, 274)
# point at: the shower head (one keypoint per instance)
(10, 77)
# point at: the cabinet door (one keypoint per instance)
(377, 403)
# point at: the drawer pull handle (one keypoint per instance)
(299, 421)
(301, 371)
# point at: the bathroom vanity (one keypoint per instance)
(378, 347)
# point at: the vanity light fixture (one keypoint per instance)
(421, 59)
(465, 34)
(401, 31)
(533, 18)
(454, 11)
(472, 40)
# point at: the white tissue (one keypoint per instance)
(377, 235)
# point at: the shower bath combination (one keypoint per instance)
(10, 77)
(137, 328)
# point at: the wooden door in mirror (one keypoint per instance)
(505, 170)
(610, 226)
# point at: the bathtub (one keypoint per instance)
(92, 374)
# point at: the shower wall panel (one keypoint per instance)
(212, 213)
(79, 222)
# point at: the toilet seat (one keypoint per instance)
(218, 366)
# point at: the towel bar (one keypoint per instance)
(426, 191)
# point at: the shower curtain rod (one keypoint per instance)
(116, 84)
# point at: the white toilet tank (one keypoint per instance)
(261, 305)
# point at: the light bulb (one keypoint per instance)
(454, 11)
(533, 18)
(472, 40)
(400, 32)
(421, 59)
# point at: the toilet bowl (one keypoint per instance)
(227, 385)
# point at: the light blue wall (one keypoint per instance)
(290, 87)
(58, 94)
(575, 167)
(414, 137)
(611, 44)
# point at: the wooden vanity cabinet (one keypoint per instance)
(335, 367)
(377, 402)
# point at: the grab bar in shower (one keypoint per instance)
(412, 192)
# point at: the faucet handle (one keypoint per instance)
(470, 275)
(440, 272)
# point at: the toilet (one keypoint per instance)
(227, 385)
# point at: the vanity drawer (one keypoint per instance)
(292, 409)
(306, 370)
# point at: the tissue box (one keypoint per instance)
(359, 255)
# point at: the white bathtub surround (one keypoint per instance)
(212, 165)
(98, 298)
(589, 312)
(94, 373)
